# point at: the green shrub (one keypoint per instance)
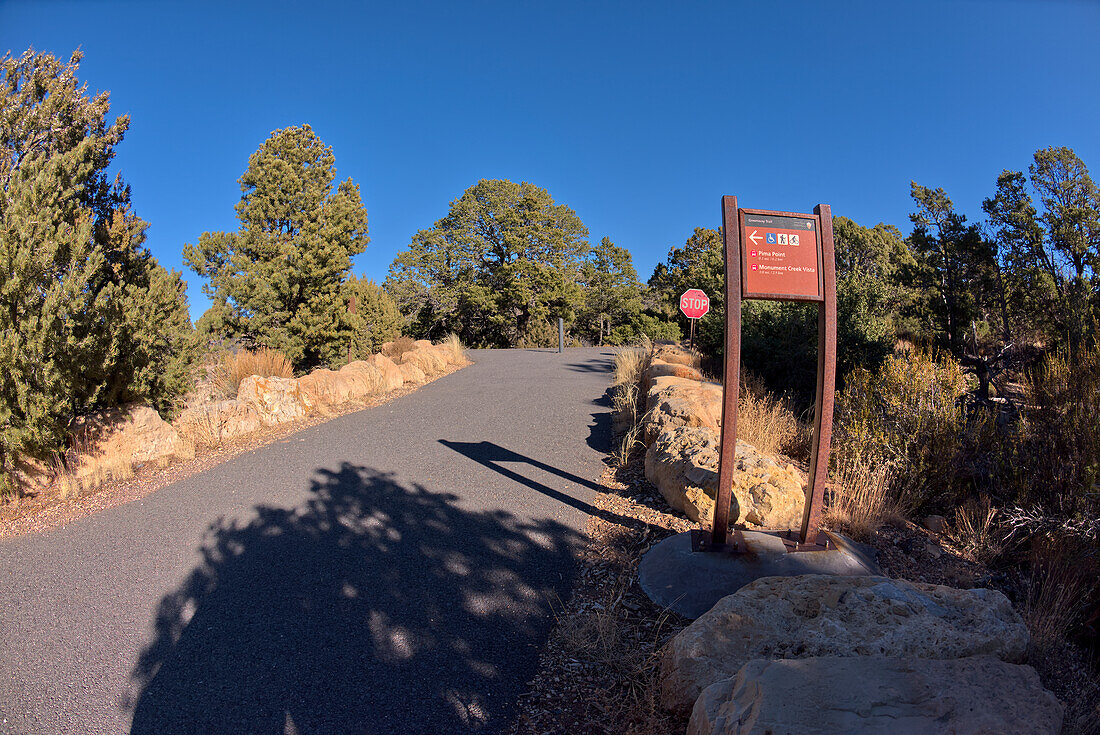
(907, 417)
(90, 319)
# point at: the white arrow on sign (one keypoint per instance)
(754, 237)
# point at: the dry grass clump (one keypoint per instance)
(202, 429)
(452, 344)
(974, 532)
(859, 499)
(1056, 595)
(86, 467)
(768, 422)
(627, 399)
(394, 350)
(233, 367)
(631, 362)
(606, 637)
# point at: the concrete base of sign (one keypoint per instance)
(690, 582)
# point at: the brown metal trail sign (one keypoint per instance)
(789, 257)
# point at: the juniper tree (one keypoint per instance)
(279, 280)
(87, 316)
(503, 261)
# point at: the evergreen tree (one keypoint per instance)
(612, 295)
(376, 319)
(1033, 283)
(87, 317)
(955, 269)
(1071, 220)
(698, 264)
(504, 261)
(278, 281)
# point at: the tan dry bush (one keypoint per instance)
(453, 345)
(768, 422)
(232, 368)
(89, 465)
(1060, 442)
(1057, 591)
(631, 362)
(394, 350)
(859, 499)
(973, 533)
(907, 415)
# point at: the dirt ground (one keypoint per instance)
(598, 671)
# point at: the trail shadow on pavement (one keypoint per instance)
(374, 607)
(493, 455)
(599, 431)
(601, 365)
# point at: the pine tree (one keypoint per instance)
(279, 280)
(612, 295)
(87, 316)
(376, 319)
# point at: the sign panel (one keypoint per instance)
(694, 303)
(780, 256)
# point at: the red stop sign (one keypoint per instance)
(694, 303)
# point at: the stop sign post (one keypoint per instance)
(695, 304)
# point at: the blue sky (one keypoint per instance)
(638, 115)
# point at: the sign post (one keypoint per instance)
(695, 304)
(782, 256)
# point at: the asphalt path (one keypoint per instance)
(389, 571)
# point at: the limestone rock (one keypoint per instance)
(820, 615)
(391, 375)
(134, 430)
(660, 369)
(210, 423)
(412, 374)
(674, 401)
(676, 356)
(883, 696)
(935, 524)
(682, 462)
(276, 400)
(325, 387)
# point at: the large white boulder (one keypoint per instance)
(821, 615)
(878, 696)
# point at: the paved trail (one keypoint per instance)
(387, 571)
